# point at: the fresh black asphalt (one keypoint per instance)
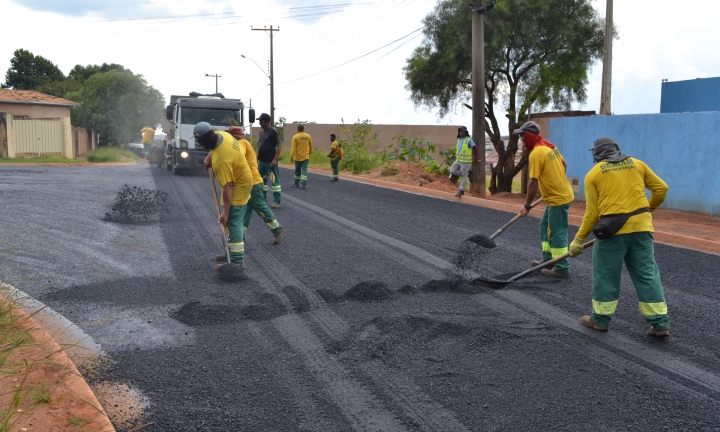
(359, 319)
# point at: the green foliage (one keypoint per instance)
(28, 71)
(110, 154)
(80, 73)
(280, 127)
(356, 152)
(389, 169)
(448, 156)
(409, 150)
(537, 53)
(59, 88)
(119, 105)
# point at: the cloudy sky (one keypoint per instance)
(174, 43)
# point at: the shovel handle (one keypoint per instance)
(211, 174)
(547, 263)
(512, 221)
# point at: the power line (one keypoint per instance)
(356, 58)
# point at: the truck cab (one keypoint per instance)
(182, 153)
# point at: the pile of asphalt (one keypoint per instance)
(135, 204)
(482, 240)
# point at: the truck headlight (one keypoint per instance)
(184, 155)
(183, 144)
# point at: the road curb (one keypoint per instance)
(76, 388)
(662, 237)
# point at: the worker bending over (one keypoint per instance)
(300, 150)
(618, 213)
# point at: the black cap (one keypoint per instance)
(264, 116)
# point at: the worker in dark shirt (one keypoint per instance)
(269, 147)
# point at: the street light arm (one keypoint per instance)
(259, 67)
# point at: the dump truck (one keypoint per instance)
(182, 153)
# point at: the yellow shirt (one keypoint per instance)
(252, 161)
(546, 165)
(335, 151)
(301, 147)
(619, 187)
(230, 165)
(148, 135)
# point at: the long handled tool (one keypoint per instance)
(492, 283)
(223, 234)
(489, 242)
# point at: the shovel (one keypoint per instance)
(492, 283)
(488, 242)
(223, 234)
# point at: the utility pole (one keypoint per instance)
(478, 187)
(216, 76)
(84, 107)
(606, 93)
(272, 74)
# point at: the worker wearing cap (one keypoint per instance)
(466, 151)
(335, 155)
(148, 135)
(269, 147)
(258, 199)
(300, 150)
(233, 173)
(547, 172)
(616, 186)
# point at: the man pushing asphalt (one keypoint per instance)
(618, 213)
(269, 147)
(547, 172)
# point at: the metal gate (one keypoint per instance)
(38, 138)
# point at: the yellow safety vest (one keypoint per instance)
(465, 154)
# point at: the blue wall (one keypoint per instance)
(702, 94)
(683, 149)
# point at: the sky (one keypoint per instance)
(175, 43)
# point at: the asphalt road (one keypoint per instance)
(356, 321)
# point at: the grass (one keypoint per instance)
(111, 154)
(40, 159)
(77, 421)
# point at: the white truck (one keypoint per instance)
(182, 153)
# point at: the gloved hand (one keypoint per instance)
(576, 247)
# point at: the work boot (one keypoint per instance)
(460, 193)
(304, 186)
(275, 206)
(588, 322)
(553, 273)
(219, 266)
(295, 185)
(221, 258)
(453, 178)
(335, 179)
(279, 236)
(659, 333)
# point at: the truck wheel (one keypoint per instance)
(175, 169)
(167, 165)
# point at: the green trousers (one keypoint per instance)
(258, 202)
(274, 173)
(335, 163)
(236, 240)
(301, 172)
(553, 235)
(638, 253)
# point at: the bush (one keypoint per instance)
(389, 169)
(110, 154)
(448, 157)
(356, 156)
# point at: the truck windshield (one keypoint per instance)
(214, 116)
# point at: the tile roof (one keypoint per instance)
(31, 96)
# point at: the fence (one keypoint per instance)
(85, 141)
(43, 137)
(680, 148)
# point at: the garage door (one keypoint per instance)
(38, 138)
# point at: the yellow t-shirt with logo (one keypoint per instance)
(148, 135)
(301, 147)
(230, 165)
(546, 165)
(619, 187)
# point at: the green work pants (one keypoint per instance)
(274, 173)
(553, 235)
(258, 202)
(301, 172)
(236, 241)
(638, 253)
(335, 163)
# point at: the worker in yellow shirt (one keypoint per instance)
(300, 149)
(547, 173)
(236, 181)
(618, 213)
(148, 135)
(258, 199)
(335, 155)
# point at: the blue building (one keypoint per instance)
(701, 94)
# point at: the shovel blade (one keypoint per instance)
(492, 283)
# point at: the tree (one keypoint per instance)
(81, 73)
(28, 71)
(119, 104)
(537, 53)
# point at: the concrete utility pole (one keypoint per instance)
(272, 74)
(216, 76)
(478, 187)
(606, 93)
